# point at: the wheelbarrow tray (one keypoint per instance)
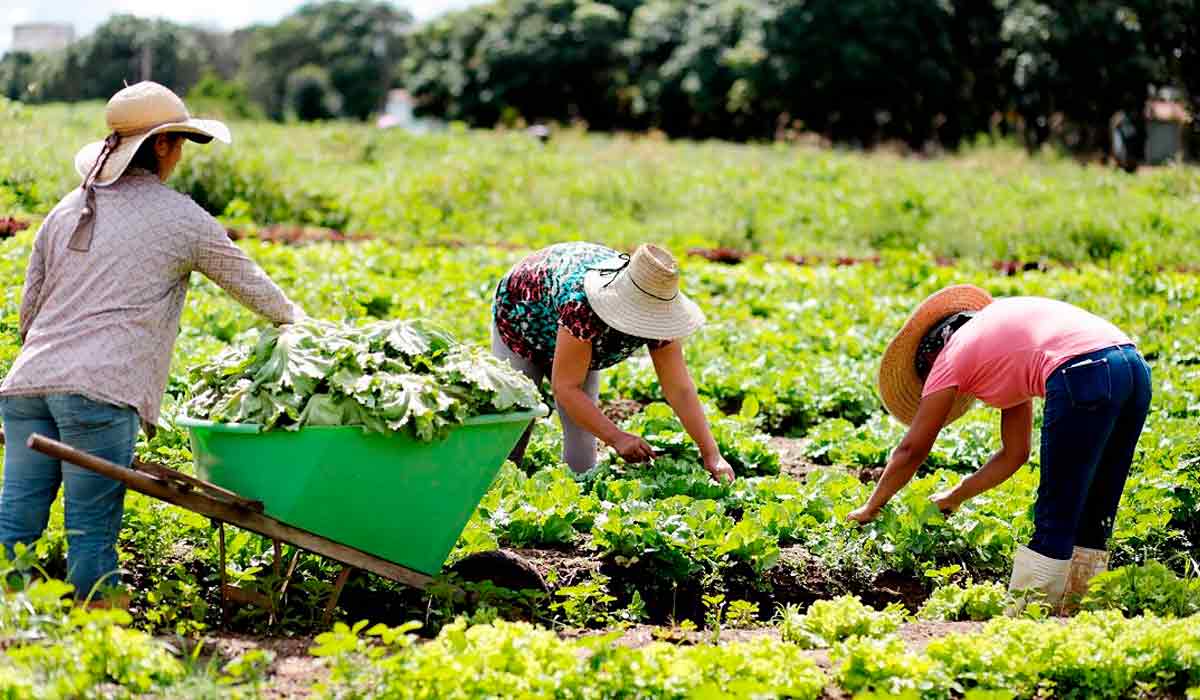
(389, 495)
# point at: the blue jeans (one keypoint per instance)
(94, 504)
(1096, 405)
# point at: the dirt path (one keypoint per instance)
(292, 673)
(792, 461)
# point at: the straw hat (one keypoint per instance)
(639, 295)
(135, 114)
(899, 385)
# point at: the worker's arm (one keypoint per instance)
(35, 279)
(572, 358)
(908, 457)
(219, 259)
(680, 392)
(1016, 429)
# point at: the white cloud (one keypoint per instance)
(85, 15)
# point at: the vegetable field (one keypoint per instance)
(662, 582)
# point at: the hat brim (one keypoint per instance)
(899, 386)
(640, 315)
(198, 130)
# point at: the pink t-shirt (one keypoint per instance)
(1005, 354)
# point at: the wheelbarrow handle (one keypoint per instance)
(224, 511)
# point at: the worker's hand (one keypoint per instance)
(632, 448)
(946, 501)
(719, 469)
(863, 515)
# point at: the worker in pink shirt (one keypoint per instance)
(961, 345)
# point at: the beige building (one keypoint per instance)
(42, 36)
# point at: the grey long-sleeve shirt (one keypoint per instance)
(102, 323)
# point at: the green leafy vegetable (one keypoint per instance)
(384, 376)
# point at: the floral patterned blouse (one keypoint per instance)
(545, 291)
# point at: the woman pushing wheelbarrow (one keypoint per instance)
(570, 310)
(103, 296)
(960, 345)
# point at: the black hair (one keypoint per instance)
(146, 158)
(935, 339)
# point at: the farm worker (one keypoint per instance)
(573, 309)
(102, 300)
(960, 345)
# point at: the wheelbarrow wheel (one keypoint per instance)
(503, 568)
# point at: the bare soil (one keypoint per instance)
(792, 461)
(619, 410)
(915, 635)
(10, 225)
(293, 671)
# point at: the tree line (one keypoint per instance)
(855, 71)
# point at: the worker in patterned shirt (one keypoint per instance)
(570, 310)
(103, 296)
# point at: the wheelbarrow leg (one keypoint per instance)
(337, 592)
(291, 569)
(224, 576)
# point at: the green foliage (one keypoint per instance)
(517, 660)
(828, 622)
(972, 601)
(1101, 655)
(548, 508)
(789, 350)
(1148, 589)
(326, 59)
(767, 68)
(55, 649)
(384, 376)
(742, 614)
(589, 604)
(748, 453)
(309, 94)
(217, 98)
(122, 50)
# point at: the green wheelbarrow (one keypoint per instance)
(384, 503)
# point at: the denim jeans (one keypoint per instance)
(1096, 405)
(93, 504)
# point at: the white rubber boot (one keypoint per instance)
(1086, 564)
(1036, 578)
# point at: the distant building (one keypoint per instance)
(42, 36)
(1166, 121)
(398, 112)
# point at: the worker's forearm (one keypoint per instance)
(998, 469)
(686, 404)
(899, 471)
(586, 414)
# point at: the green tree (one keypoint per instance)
(16, 74)
(1084, 60)
(125, 49)
(441, 67)
(358, 43)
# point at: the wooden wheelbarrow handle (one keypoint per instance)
(114, 471)
(225, 511)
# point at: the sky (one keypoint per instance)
(85, 15)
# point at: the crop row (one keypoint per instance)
(507, 188)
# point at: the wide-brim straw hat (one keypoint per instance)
(639, 295)
(899, 386)
(135, 114)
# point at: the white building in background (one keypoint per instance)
(400, 112)
(42, 36)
